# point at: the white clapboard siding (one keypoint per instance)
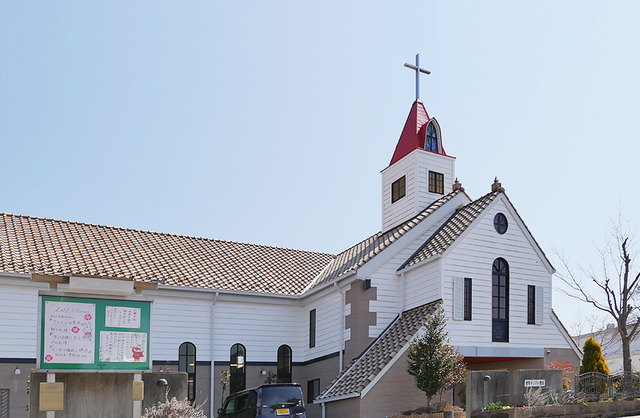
(428, 161)
(19, 313)
(176, 320)
(422, 285)
(473, 257)
(458, 298)
(328, 326)
(388, 303)
(403, 209)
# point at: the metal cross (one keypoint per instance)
(418, 70)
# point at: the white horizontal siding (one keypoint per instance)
(388, 303)
(473, 257)
(176, 320)
(396, 213)
(328, 326)
(19, 325)
(422, 285)
(428, 161)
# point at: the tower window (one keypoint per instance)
(436, 182)
(431, 142)
(398, 189)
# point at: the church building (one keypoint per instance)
(338, 324)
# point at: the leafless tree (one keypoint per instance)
(614, 289)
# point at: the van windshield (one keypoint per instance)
(285, 396)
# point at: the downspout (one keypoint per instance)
(403, 288)
(213, 376)
(342, 324)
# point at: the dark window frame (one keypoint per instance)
(312, 328)
(500, 300)
(467, 299)
(500, 223)
(238, 374)
(313, 389)
(187, 363)
(431, 138)
(284, 366)
(398, 189)
(436, 182)
(531, 305)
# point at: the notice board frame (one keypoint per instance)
(101, 302)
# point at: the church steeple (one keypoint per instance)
(420, 171)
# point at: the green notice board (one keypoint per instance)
(78, 333)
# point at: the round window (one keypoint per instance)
(500, 223)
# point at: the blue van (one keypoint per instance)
(279, 400)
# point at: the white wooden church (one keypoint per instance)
(338, 324)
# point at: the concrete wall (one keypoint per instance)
(552, 378)
(17, 385)
(395, 392)
(486, 386)
(106, 395)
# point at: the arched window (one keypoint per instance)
(500, 300)
(187, 363)
(431, 142)
(284, 364)
(237, 368)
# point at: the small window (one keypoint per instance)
(500, 223)
(531, 305)
(467, 299)
(313, 390)
(237, 368)
(187, 363)
(436, 182)
(398, 189)
(431, 141)
(284, 364)
(312, 328)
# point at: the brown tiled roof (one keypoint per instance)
(450, 230)
(364, 369)
(30, 244)
(356, 256)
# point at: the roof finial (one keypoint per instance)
(418, 70)
(497, 186)
(457, 186)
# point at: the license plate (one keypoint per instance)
(282, 412)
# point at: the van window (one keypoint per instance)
(289, 396)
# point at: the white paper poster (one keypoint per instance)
(123, 346)
(122, 317)
(69, 334)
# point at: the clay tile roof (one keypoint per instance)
(355, 377)
(356, 256)
(450, 230)
(29, 244)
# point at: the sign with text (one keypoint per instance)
(94, 334)
(534, 383)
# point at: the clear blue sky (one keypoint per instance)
(269, 122)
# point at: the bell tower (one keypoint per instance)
(420, 171)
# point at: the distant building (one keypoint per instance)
(339, 324)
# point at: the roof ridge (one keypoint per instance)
(166, 234)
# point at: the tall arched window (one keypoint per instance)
(500, 300)
(431, 142)
(237, 368)
(284, 364)
(187, 363)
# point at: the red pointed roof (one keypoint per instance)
(413, 133)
